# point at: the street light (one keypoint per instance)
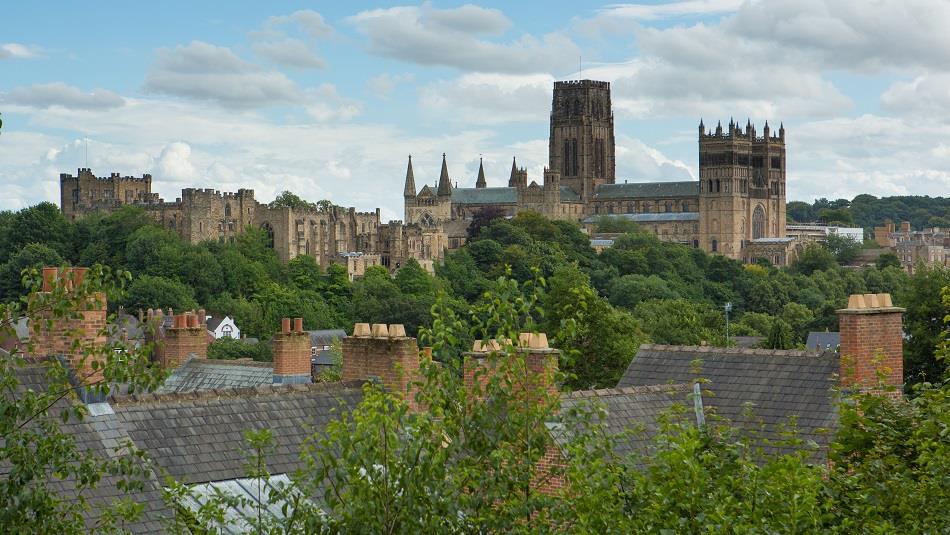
(728, 309)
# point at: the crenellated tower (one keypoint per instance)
(741, 187)
(582, 135)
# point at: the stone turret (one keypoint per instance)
(410, 189)
(445, 185)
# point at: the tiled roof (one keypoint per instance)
(484, 195)
(569, 195)
(214, 322)
(325, 337)
(203, 374)
(632, 409)
(647, 218)
(777, 385)
(100, 432)
(199, 437)
(637, 190)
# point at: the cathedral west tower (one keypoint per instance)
(582, 136)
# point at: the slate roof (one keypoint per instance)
(199, 437)
(635, 190)
(777, 385)
(824, 340)
(647, 218)
(632, 409)
(213, 323)
(485, 196)
(207, 374)
(569, 195)
(322, 338)
(100, 432)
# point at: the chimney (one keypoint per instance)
(871, 340)
(381, 353)
(54, 335)
(541, 363)
(185, 337)
(292, 353)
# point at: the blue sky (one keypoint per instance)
(327, 99)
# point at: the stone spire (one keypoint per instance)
(512, 181)
(480, 182)
(445, 185)
(410, 189)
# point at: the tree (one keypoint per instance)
(923, 323)
(814, 258)
(780, 336)
(287, 199)
(843, 248)
(43, 223)
(40, 456)
(148, 291)
(629, 290)
(230, 348)
(31, 256)
(483, 217)
(887, 260)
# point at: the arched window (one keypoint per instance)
(427, 220)
(717, 185)
(758, 223)
(709, 186)
(715, 245)
(227, 210)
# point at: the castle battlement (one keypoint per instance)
(572, 84)
(734, 132)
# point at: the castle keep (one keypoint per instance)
(736, 207)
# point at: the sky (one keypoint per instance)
(328, 99)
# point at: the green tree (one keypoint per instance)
(148, 291)
(923, 323)
(887, 260)
(814, 258)
(629, 290)
(287, 199)
(780, 336)
(31, 256)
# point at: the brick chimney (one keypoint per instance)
(292, 353)
(54, 336)
(381, 353)
(186, 336)
(871, 340)
(541, 363)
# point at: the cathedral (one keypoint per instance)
(735, 208)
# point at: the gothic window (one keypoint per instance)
(599, 166)
(715, 245)
(577, 107)
(695, 244)
(227, 210)
(709, 186)
(427, 220)
(758, 223)
(776, 162)
(717, 185)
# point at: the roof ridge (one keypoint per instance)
(620, 390)
(731, 350)
(233, 362)
(233, 392)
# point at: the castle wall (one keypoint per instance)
(86, 193)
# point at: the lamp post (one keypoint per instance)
(728, 308)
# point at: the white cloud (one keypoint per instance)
(18, 51)
(311, 22)
(60, 94)
(672, 9)
(208, 72)
(638, 162)
(289, 52)
(926, 97)
(174, 162)
(326, 104)
(489, 98)
(452, 38)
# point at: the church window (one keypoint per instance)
(577, 106)
(227, 210)
(599, 157)
(668, 207)
(709, 186)
(758, 223)
(685, 207)
(776, 162)
(610, 209)
(715, 245)
(717, 185)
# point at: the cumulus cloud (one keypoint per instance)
(639, 162)
(311, 22)
(60, 94)
(174, 162)
(490, 98)
(208, 72)
(926, 96)
(289, 52)
(673, 9)
(18, 51)
(454, 38)
(326, 104)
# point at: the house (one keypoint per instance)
(192, 428)
(223, 327)
(320, 342)
(823, 341)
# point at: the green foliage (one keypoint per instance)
(681, 322)
(923, 323)
(887, 260)
(844, 249)
(31, 256)
(231, 348)
(814, 258)
(39, 457)
(780, 336)
(148, 291)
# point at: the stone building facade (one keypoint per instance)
(85, 192)
(736, 207)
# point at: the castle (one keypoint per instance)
(736, 207)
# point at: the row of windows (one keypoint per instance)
(738, 158)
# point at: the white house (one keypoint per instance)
(223, 328)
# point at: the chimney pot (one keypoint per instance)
(298, 325)
(397, 330)
(380, 330)
(361, 330)
(285, 325)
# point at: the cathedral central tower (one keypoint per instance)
(582, 135)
